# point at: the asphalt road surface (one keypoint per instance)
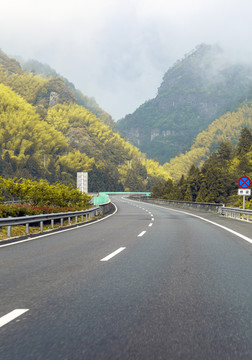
(146, 283)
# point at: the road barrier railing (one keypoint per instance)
(182, 204)
(82, 215)
(77, 216)
(234, 213)
(237, 213)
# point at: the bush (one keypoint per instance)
(39, 197)
(17, 210)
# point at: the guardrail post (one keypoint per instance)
(9, 229)
(82, 218)
(76, 219)
(52, 223)
(27, 228)
(61, 221)
(41, 226)
(69, 220)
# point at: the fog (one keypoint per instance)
(119, 50)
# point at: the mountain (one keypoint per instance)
(195, 91)
(46, 134)
(37, 68)
(226, 128)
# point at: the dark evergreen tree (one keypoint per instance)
(244, 166)
(158, 190)
(224, 151)
(202, 194)
(245, 142)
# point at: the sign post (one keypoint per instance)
(82, 181)
(244, 184)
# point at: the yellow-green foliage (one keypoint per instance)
(76, 161)
(155, 169)
(226, 128)
(110, 147)
(22, 132)
(24, 84)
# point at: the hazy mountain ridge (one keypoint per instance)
(10, 65)
(195, 91)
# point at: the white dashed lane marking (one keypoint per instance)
(108, 257)
(141, 234)
(11, 316)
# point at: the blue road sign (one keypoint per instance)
(244, 182)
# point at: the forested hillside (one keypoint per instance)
(226, 128)
(37, 68)
(217, 180)
(196, 91)
(46, 134)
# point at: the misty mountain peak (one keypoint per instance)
(195, 91)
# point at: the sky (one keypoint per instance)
(118, 51)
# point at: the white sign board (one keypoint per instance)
(82, 181)
(244, 192)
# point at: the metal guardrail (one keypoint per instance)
(234, 213)
(83, 215)
(181, 204)
(237, 213)
(40, 219)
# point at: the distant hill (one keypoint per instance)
(195, 92)
(46, 134)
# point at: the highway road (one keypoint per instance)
(146, 283)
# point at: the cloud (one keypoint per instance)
(118, 50)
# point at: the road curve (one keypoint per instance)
(147, 283)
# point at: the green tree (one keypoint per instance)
(158, 190)
(245, 141)
(188, 194)
(202, 194)
(224, 151)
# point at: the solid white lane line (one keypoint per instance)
(108, 257)
(142, 233)
(246, 238)
(11, 316)
(150, 224)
